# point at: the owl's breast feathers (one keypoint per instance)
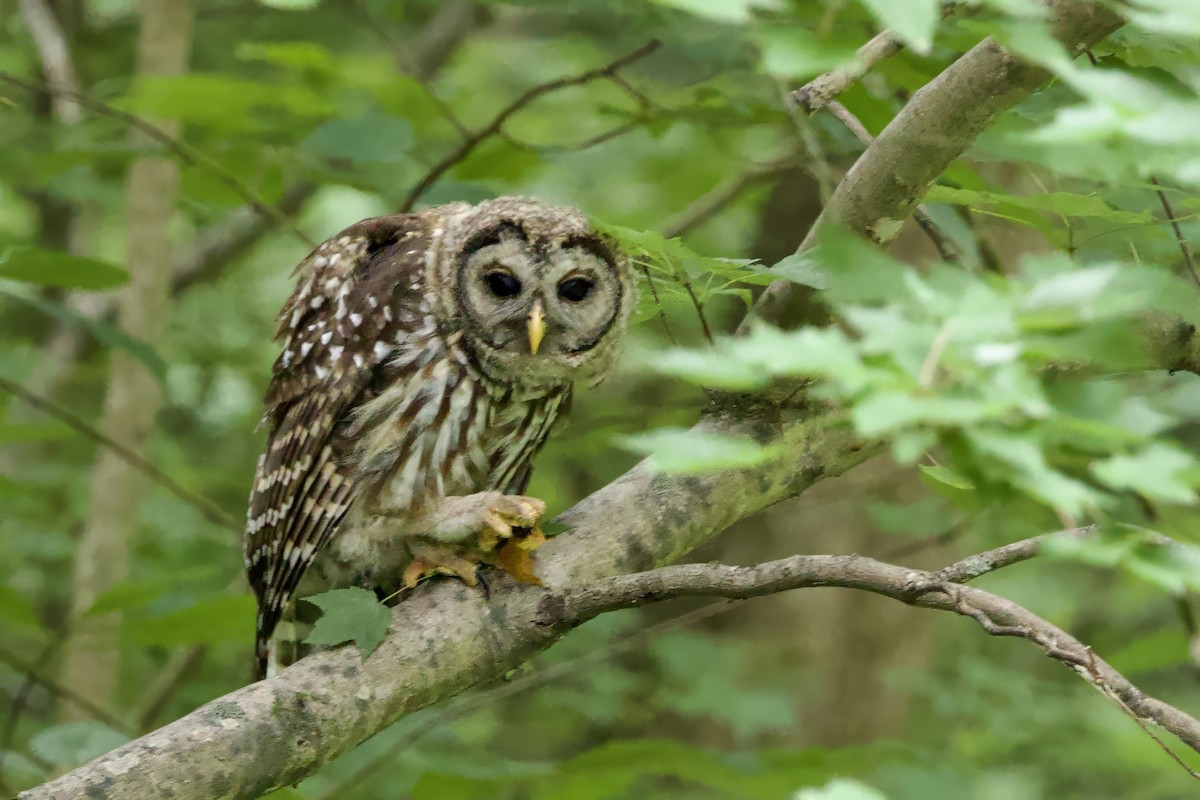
(372, 404)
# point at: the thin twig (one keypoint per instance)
(492, 128)
(662, 314)
(1179, 237)
(184, 151)
(21, 699)
(996, 615)
(945, 249)
(1104, 689)
(33, 676)
(210, 510)
(720, 196)
(821, 90)
(168, 681)
(817, 93)
(686, 281)
(575, 147)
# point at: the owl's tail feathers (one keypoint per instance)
(264, 657)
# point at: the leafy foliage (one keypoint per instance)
(1011, 388)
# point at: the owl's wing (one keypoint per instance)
(347, 305)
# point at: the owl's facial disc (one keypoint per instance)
(538, 308)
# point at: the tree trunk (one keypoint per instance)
(133, 397)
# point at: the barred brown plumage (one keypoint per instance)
(425, 359)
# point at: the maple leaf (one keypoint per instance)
(350, 615)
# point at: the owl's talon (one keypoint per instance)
(432, 559)
(508, 516)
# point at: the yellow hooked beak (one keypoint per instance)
(537, 326)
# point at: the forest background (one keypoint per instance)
(1018, 359)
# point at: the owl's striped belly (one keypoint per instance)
(437, 431)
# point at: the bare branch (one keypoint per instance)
(936, 127)
(996, 615)
(817, 93)
(821, 90)
(214, 248)
(920, 213)
(493, 128)
(720, 196)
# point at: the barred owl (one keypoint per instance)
(425, 359)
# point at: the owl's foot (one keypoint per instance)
(509, 515)
(489, 528)
(482, 519)
(430, 558)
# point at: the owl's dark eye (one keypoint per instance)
(502, 284)
(575, 289)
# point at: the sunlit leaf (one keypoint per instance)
(841, 789)
(1158, 472)
(797, 53)
(733, 11)
(914, 21)
(686, 451)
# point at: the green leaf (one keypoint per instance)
(841, 789)
(1158, 472)
(296, 55)
(888, 411)
(103, 332)
(290, 5)
(75, 742)
(799, 268)
(221, 101)
(50, 268)
(1062, 203)
(350, 615)
(130, 594)
(682, 450)
(914, 21)
(1170, 17)
(229, 618)
(15, 608)
(373, 138)
(944, 476)
(923, 518)
(859, 272)
(1155, 651)
(733, 11)
(51, 432)
(796, 53)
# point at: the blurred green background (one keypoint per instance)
(333, 110)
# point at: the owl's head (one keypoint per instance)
(541, 297)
